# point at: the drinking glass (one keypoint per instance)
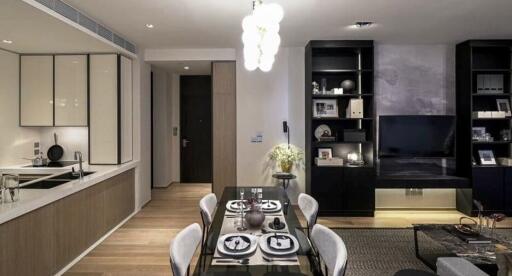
(11, 187)
(241, 226)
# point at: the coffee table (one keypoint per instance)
(481, 255)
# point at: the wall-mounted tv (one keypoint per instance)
(416, 136)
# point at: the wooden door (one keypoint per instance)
(224, 125)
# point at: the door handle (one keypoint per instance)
(185, 142)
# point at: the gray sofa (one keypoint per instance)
(453, 266)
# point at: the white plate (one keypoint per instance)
(266, 249)
(231, 209)
(223, 251)
(278, 206)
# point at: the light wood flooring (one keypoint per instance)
(141, 245)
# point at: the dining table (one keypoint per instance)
(212, 262)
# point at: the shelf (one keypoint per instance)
(491, 94)
(320, 96)
(491, 70)
(320, 143)
(491, 119)
(491, 166)
(344, 166)
(341, 119)
(341, 70)
(492, 142)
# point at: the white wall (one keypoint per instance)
(15, 142)
(174, 87)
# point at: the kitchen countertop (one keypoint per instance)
(31, 199)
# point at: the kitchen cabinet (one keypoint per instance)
(71, 90)
(36, 90)
(110, 109)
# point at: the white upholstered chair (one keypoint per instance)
(207, 206)
(309, 207)
(182, 249)
(331, 249)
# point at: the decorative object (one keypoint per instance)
(355, 108)
(504, 161)
(325, 153)
(489, 83)
(348, 86)
(276, 224)
(355, 159)
(498, 114)
(482, 114)
(354, 135)
(261, 35)
(486, 157)
(323, 131)
(316, 88)
(324, 85)
(504, 106)
(333, 162)
(286, 156)
(505, 135)
(479, 133)
(255, 217)
(337, 91)
(325, 108)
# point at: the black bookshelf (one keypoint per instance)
(345, 190)
(490, 184)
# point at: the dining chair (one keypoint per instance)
(182, 249)
(207, 206)
(331, 249)
(309, 208)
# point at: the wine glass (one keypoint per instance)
(241, 227)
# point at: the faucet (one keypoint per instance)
(78, 156)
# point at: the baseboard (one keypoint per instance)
(77, 259)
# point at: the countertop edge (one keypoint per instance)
(10, 211)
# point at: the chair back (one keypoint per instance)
(331, 248)
(309, 207)
(207, 205)
(182, 249)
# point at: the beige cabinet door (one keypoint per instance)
(126, 110)
(36, 90)
(71, 90)
(103, 109)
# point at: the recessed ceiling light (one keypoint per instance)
(186, 67)
(363, 24)
(7, 41)
(150, 26)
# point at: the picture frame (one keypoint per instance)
(325, 108)
(504, 105)
(325, 153)
(486, 157)
(478, 133)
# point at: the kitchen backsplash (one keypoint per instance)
(70, 138)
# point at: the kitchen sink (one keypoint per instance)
(54, 181)
(69, 176)
(45, 184)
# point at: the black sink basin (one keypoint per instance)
(69, 176)
(45, 184)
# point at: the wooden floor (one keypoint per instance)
(141, 246)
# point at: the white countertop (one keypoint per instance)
(31, 199)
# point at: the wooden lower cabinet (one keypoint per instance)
(45, 240)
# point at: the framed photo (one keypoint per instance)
(327, 108)
(325, 153)
(478, 133)
(486, 157)
(504, 105)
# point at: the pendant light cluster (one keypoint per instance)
(261, 35)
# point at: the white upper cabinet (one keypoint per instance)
(71, 90)
(36, 90)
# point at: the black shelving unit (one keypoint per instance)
(492, 185)
(346, 190)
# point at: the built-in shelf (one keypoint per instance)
(491, 94)
(491, 119)
(321, 96)
(490, 166)
(341, 119)
(491, 142)
(340, 70)
(491, 70)
(321, 143)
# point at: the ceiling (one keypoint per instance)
(216, 23)
(195, 67)
(33, 31)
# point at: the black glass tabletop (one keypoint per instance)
(307, 262)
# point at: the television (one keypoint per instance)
(417, 136)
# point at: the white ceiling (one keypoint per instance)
(196, 67)
(216, 23)
(33, 31)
